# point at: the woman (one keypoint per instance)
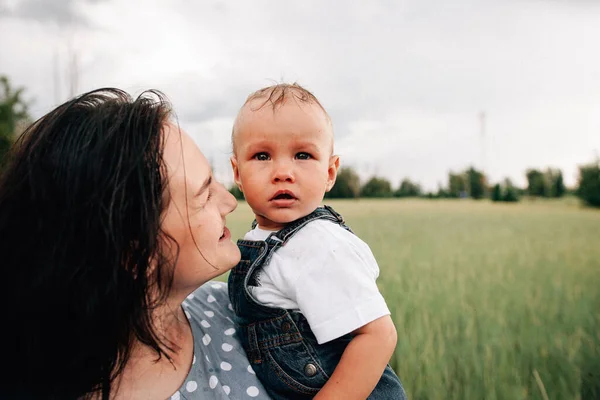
(110, 220)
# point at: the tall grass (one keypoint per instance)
(494, 301)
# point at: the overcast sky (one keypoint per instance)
(404, 81)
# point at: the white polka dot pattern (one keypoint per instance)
(219, 366)
(229, 332)
(206, 339)
(212, 382)
(252, 391)
(227, 347)
(225, 366)
(191, 386)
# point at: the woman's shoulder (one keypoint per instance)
(212, 295)
(209, 304)
(220, 368)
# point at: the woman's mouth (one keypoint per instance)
(226, 234)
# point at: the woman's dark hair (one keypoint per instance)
(81, 197)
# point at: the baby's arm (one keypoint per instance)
(363, 362)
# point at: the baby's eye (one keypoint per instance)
(303, 156)
(261, 157)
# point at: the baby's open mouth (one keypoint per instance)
(283, 196)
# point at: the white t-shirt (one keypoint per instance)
(325, 272)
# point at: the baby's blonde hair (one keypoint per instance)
(276, 96)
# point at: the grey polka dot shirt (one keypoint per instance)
(220, 368)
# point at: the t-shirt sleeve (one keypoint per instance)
(336, 290)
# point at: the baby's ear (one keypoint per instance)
(236, 172)
(334, 165)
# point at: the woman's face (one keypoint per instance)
(195, 215)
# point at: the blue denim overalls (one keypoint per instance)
(279, 344)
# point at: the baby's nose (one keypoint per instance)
(283, 173)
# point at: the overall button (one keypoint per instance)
(286, 326)
(310, 370)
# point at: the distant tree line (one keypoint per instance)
(470, 183)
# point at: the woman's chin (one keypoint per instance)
(229, 258)
(236, 256)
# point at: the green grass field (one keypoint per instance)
(491, 301)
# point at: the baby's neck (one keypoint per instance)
(271, 228)
(266, 224)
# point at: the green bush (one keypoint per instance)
(408, 188)
(476, 183)
(376, 187)
(505, 192)
(347, 185)
(589, 184)
(511, 194)
(14, 115)
(549, 183)
(496, 193)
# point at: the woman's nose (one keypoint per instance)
(229, 202)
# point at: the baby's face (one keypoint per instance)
(283, 160)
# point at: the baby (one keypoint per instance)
(308, 310)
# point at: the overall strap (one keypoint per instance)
(325, 212)
(279, 238)
(273, 242)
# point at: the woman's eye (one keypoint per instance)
(303, 156)
(204, 200)
(261, 156)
